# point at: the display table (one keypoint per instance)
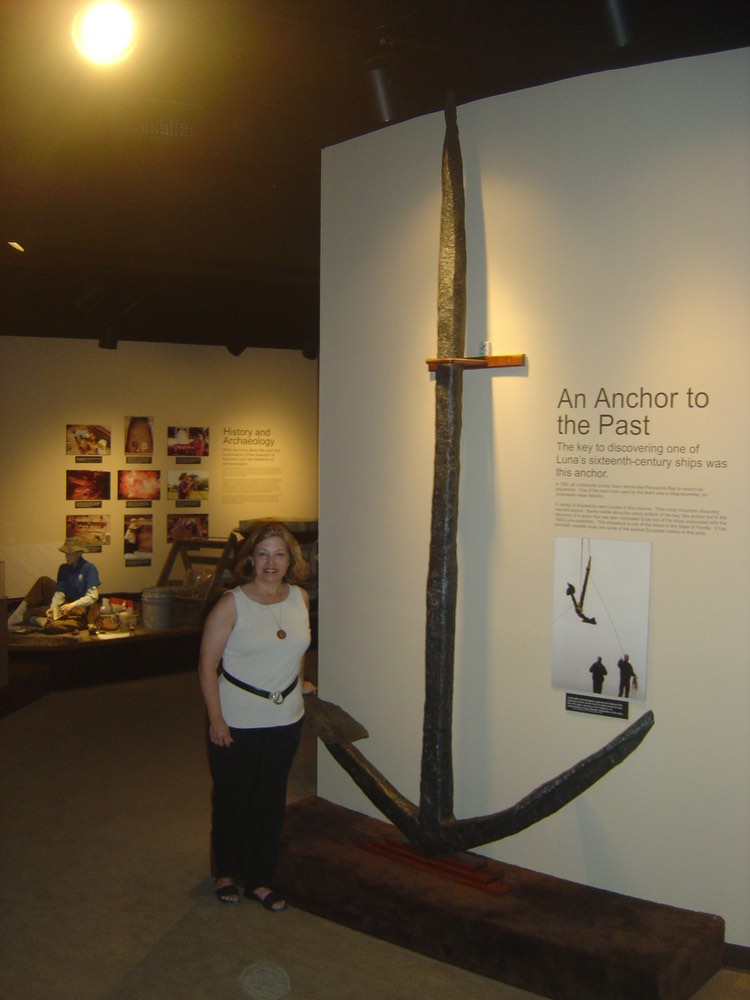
(39, 663)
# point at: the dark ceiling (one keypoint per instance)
(175, 197)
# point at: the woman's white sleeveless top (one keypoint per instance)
(255, 654)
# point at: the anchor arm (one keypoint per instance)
(548, 798)
(383, 795)
(450, 834)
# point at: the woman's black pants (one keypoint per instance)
(249, 801)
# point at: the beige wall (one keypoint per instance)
(607, 226)
(50, 383)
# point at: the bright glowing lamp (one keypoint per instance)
(104, 33)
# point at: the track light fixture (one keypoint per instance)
(108, 340)
(236, 342)
(382, 79)
(618, 22)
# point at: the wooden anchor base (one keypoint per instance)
(545, 935)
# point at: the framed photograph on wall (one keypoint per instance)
(93, 529)
(190, 442)
(139, 437)
(139, 484)
(187, 487)
(138, 536)
(87, 485)
(601, 603)
(186, 527)
(88, 440)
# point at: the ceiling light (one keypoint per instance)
(104, 33)
(618, 22)
(16, 246)
(383, 82)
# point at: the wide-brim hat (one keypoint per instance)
(74, 545)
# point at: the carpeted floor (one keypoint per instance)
(105, 893)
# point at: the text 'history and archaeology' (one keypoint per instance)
(251, 472)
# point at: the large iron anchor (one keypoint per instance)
(431, 826)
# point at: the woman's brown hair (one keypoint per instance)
(299, 568)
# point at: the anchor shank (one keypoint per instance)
(436, 787)
(436, 790)
(451, 332)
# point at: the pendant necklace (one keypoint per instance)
(280, 634)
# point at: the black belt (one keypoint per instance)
(277, 697)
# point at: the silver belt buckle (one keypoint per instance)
(277, 697)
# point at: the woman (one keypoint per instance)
(258, 634)
(185, 486)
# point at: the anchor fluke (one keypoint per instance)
(331, 723)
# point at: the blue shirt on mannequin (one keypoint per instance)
(76, 580)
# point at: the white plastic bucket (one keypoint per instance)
(156, 607)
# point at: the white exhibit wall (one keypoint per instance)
(50, 383)
(608, 232)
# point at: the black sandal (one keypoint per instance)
(228, 893)
(268, 901)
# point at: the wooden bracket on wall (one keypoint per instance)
(492, 361)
